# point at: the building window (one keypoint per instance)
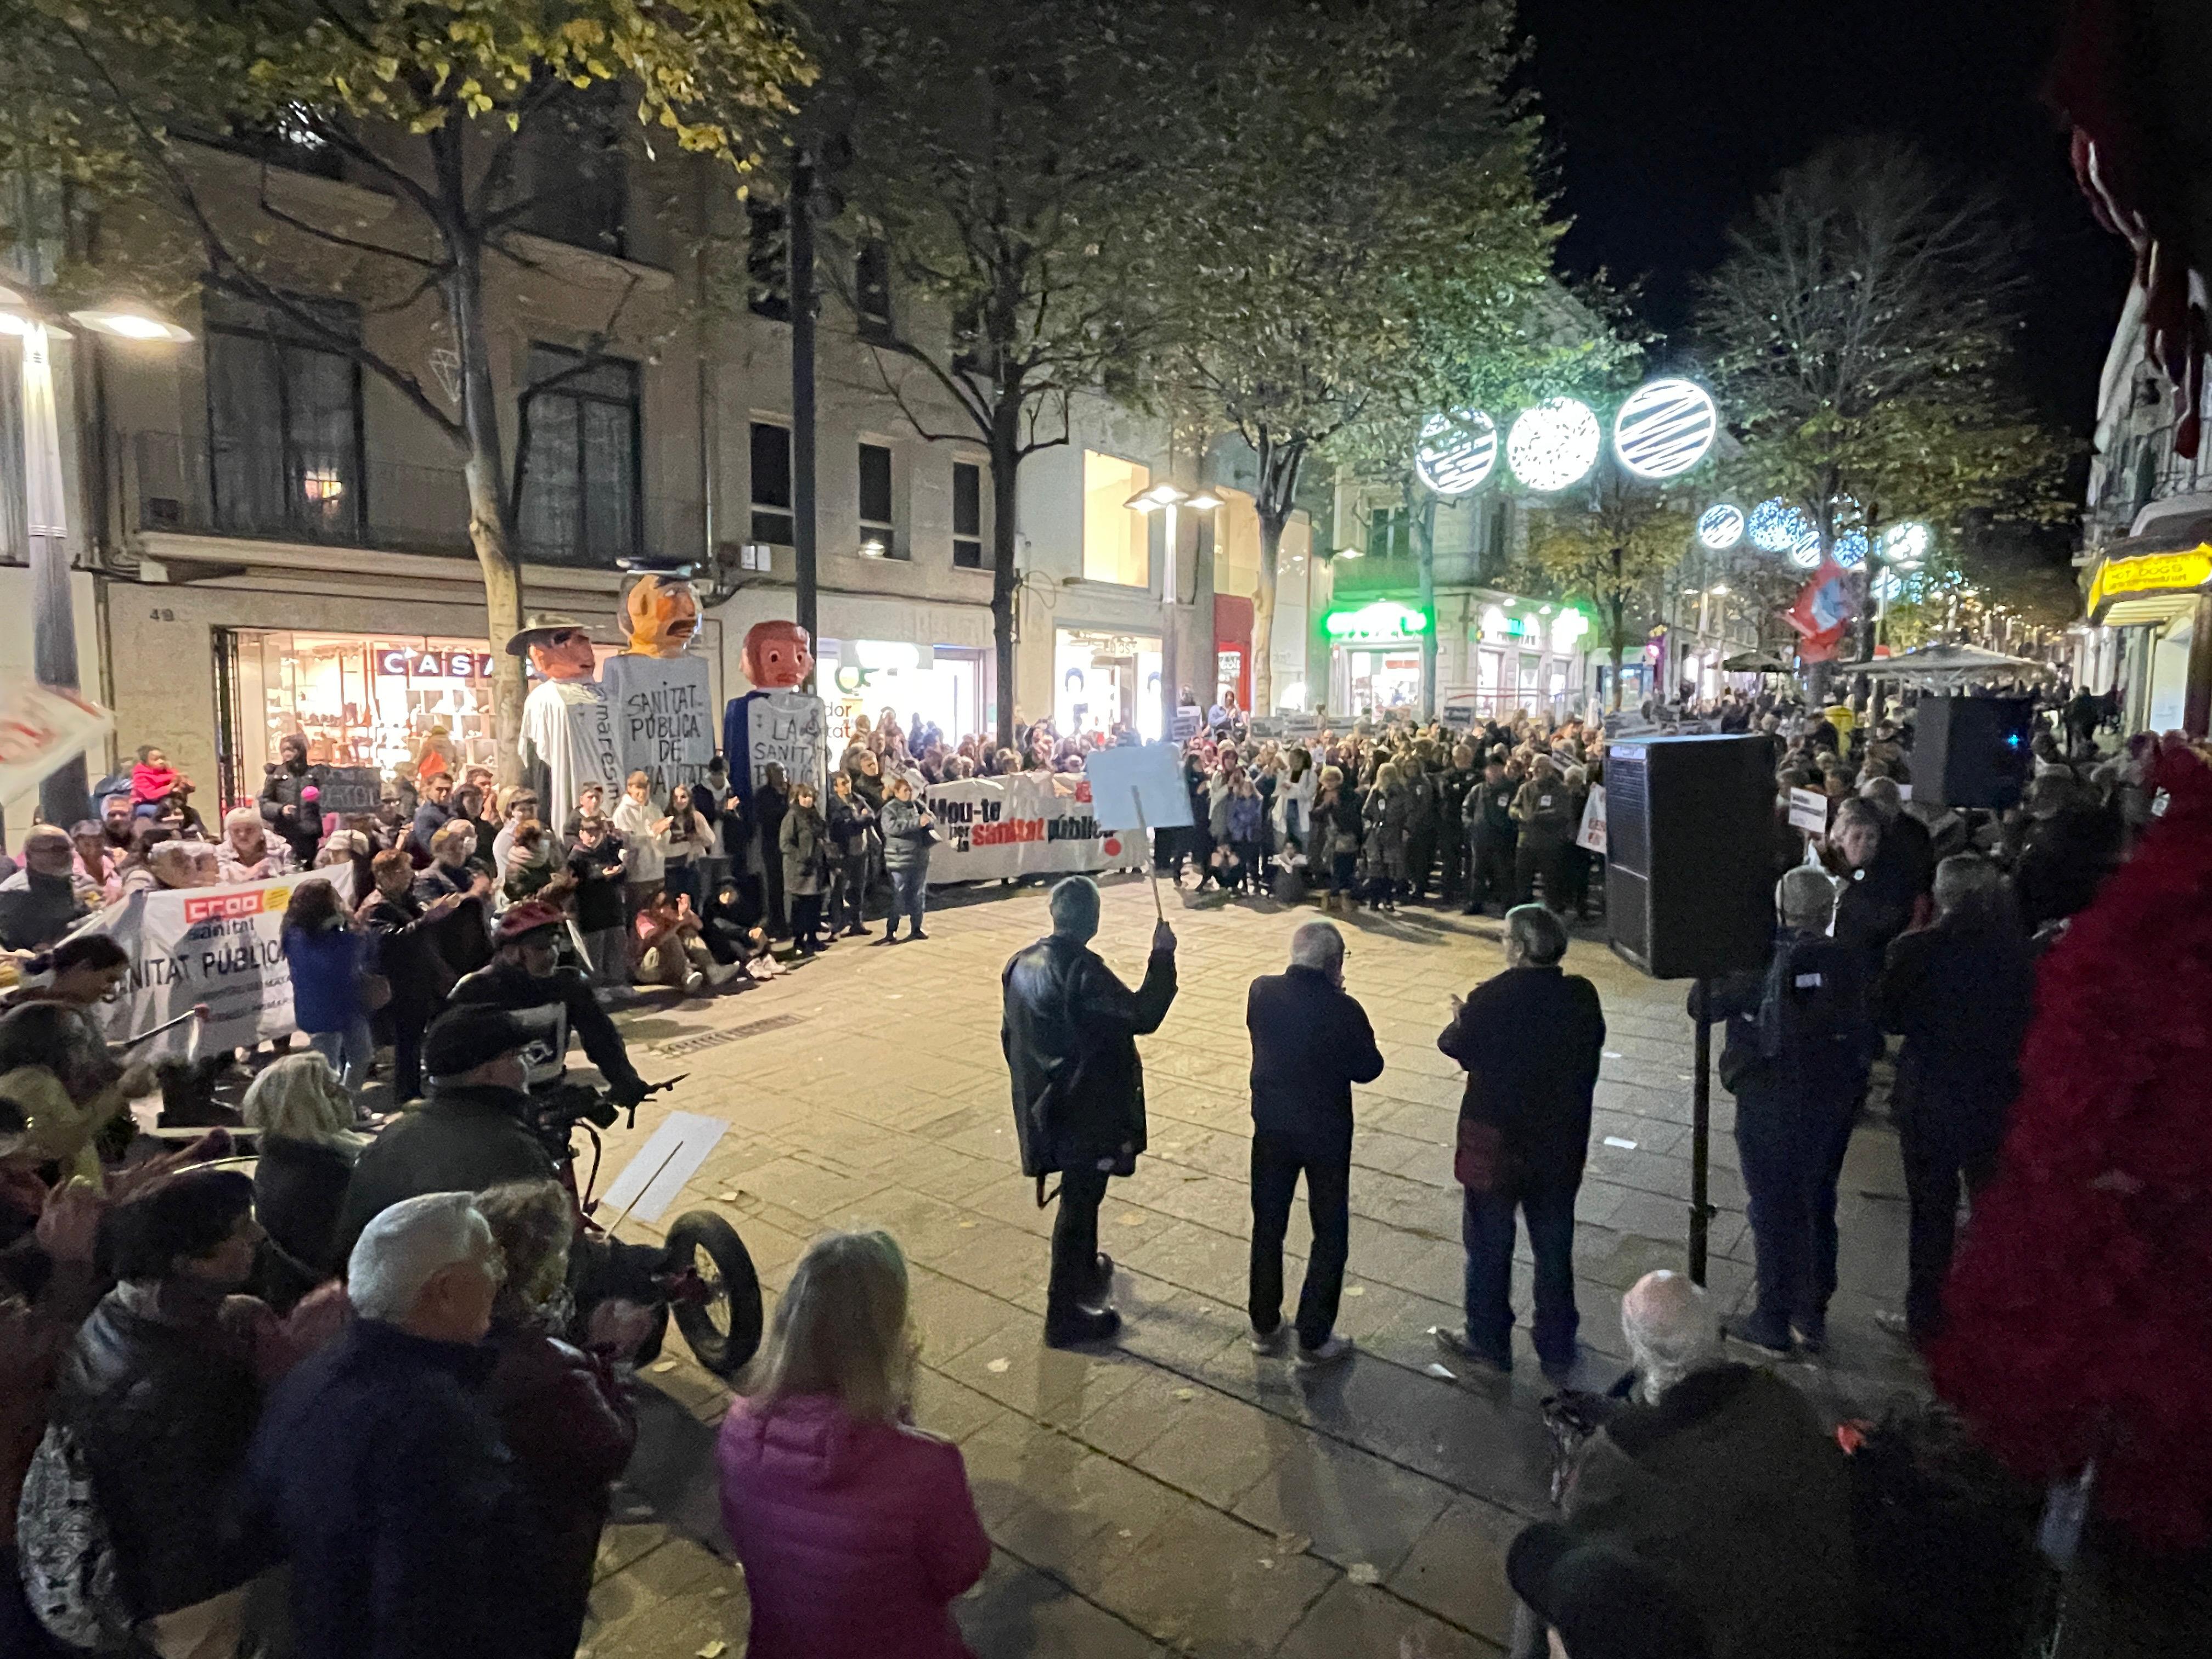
(1390, 533)
(767, 260)
(283, 422)
(772, 520)
(1117, 540)
(581, 484)
(872, 287)
(967, 515)
(877, 538)
(574, 176)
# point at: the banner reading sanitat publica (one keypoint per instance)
(221, 945)
(1030, 824)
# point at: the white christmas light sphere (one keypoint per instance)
(1776, 526)
(1887, 585)
(1553, 444)
(1457, 451)
(1903, 544)
(1850, 549)
(1721, 527)
(1664, 428)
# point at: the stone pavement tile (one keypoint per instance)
(1217, 1447)
(1457, 1568)
(1198, 1585)
(951, 1408)
(1357, 1620)
(1467, 1434)
(663, 1627)
(1005, 1261)
(1124, 1423)
(1012, 1366)
(1214, 1263)
(952, 1316)
(621, 1542)
(1354, 1506)
(1019, 1612)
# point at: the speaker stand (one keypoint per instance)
(1701, 1129)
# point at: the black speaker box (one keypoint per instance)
(1689, 826)
(1972, 751)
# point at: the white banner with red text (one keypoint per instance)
(1033, 823)
(223, 946)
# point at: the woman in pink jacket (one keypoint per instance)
(856, 1530)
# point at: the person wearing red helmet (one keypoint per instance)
(525, 978)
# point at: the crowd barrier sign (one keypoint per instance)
(1031, 823)
(223, 946)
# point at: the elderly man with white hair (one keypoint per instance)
(1720, 1478)
(379, 1466)
(1310, 1042)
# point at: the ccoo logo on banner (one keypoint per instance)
(1026, 824)
(221, 945)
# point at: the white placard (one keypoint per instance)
(39, 729)
(656, 1176)
(1591, 836)
(1808, 811)
(1138, 788)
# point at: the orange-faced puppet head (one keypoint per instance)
(662, 613)
(557, 647)
(777, 655)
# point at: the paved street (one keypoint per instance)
(1179, 1494)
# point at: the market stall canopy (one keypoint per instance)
(1947, 664)
(1754, 662)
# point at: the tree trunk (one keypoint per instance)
(1005, 459)
(1263, 612)
(1617, 602)
(490, 526)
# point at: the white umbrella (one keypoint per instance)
(1947, 665)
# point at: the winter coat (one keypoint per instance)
(855, 1537)
(1245, 815)
(1732, 1490)
(464, 932)
(380, 1467)
(597, 874)
(648, 852)
(1385, 818)
(906, 842)
(1959, 1068)
(1310, 1042)
(1487, 813)
(1545, 809)
(407, 951)
(326, 966)
(1875, 902)
(298, 823)
(1069, 1031)
(299, 1195)
(1530, 1039)
(804, 842)
(462, 1139)
(1217, 809)
(36, 910)
(1293, 809)
(1798, 1032)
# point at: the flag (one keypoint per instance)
(1824, 606)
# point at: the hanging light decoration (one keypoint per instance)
(1721, 527)
(1553, 444)
(1664, 428)
(1457, 451)
(1775, 527)
(1850, 549)
(1903, 544)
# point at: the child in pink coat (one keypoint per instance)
(856, 1530)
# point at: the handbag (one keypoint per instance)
(66, 1552)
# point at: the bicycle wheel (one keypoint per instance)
(723, 1327)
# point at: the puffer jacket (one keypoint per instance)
(1070, 1031)
(856, 1537)
(906, 842)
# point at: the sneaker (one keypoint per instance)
(856, 931)
(1812, 1338)
(1332, 1350)
(1894, 1322)
(1071, 1328)
(917, 934)
(1268, 1343)
(693, 982)
(888, 938)
(1456, 1343)
(1751, 1336)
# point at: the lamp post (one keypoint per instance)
(63, 796)
(1166, 499)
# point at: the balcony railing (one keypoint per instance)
(183, 483)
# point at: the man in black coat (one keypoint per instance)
(297, 823)
(1961, 992)
(1310, 1043)
(1881, 887)
(1799, 1042)
(1070, 1035)
(39, 903)
(1486, 815)
(1453, 787)
(380, 1468)
(1530, 1039)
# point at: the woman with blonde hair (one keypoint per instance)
(857, 1530)
(305, 1151)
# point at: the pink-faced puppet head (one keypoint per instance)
(777, 655)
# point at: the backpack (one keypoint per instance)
(66, 1555)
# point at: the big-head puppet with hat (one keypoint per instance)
(568, 738)
(658, 690)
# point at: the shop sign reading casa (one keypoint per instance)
(410, 664)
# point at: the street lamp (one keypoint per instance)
(62, 797)
(1164, 497)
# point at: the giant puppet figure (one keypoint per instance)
(658, 692)
(777, 722)
(569, 739)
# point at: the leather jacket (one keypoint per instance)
(1070, 1033)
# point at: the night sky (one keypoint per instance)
(1667, 116)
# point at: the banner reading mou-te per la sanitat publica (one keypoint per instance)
(223, 946)
(1032, 822)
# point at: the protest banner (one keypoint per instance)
(349, 790)
(40, 728)
(1808, 811)
(223, 946)
(1030, 824)
(1138, 788)
(1591, 836)
(1301, 726)
(664, 717)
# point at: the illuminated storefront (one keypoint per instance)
(1375, 659)
(1104, 681)
(2160, 597)
(944, 685)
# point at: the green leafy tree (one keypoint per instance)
(1008, 158)
(434, 103)
(1609, 545)
(1860, 333)
(1358, 236)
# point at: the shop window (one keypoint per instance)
(767, 260)
(771, 495)
(879, 539)
(581, 499)
(283, 420)
(1117, 539)
(872, 289)
(967, 515)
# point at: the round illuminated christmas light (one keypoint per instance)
(1722, 526)
(1664, 428)
(1553, 444)
(1775, 527)
(1903, 544)
(1887, 585)
(1850, 549)
(1457, 451)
